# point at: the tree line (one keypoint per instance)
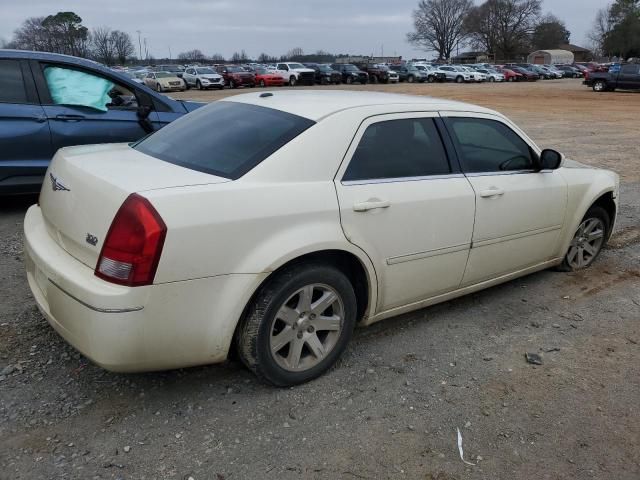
(505, 29)
(64, 33)
(616, 30)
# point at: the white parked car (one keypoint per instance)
(202, 78)
(478, 77)
(456, 74)
(491, 75)
(300, 215)
(164, 82)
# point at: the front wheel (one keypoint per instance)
(600, 86)
(158, 87)
(262, 84)
(459, 79)
(431, 79)
(411, 79)
(491, 79)
(588, 240)
(292, 81)
(298, 325)
(232, 84)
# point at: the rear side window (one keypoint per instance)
(12, 89)
(226, 139)
(489, 146)
(632, 69)
(398, 149)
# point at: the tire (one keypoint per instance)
(459, 79)
(600, 86)
(431, 79)
(186, 85)
(254, 337)
(292, 81)
(349, 80)
(597, 223)
(198, 85)
(491, 79)
(232, 84)
(262, 84)
(411, 79)
(158, 87)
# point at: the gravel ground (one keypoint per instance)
(392, 407)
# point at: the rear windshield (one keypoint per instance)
(226, 139)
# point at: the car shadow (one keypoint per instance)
(17, 203)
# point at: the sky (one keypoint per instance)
(359, 27)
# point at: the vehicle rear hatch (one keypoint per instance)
(85, 186)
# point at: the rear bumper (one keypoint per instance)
(126, 329)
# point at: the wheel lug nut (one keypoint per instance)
(312, 316)
(310, 329)
(299, 334)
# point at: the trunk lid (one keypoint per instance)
(85, 186)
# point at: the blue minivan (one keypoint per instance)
(49, 101)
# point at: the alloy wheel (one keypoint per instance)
(586, 243)
(306, 327)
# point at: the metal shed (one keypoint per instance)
(550, 57)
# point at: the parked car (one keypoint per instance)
(454, 74)
(324, 74)
(332, 181)
(570, 71)
(526, 74)
(297, 73)
(235, 76)
(164, 82)
(175, 69)
(42, 110)
(380, 73)
(492, 75)
(265, 78)
(627, 78)
(511, 75)
(477, 76)
(202, 78)
(136, 77)
(410, 74)
(351, 73)
(433, 73)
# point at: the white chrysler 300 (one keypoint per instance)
(273, 223)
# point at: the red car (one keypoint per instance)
(510, 75)
(265, 78)
(235, 76)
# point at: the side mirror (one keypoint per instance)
(550, 159)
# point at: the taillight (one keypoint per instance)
(131, 251)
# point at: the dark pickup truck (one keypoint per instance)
(627, 78)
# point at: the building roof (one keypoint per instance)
(573, 48)
(318, 104)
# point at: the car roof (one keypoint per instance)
(49, 57)
(317, 104)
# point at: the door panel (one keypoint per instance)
(517, 228)
(71, 125)
(519, 210)
(416, 229)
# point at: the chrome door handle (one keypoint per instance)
(492, 192)
(370, 205)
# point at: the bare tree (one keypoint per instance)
(438, 25)
(122, 46)
(194, 55)
(503, 27)
(217, 57)
(294, 53)
(102, 43)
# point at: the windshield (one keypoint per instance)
(296, 65)
(351, 68)
(202, 71)
(244, 135)
(324, 68)
(164, 75)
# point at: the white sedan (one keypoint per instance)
(276, 222)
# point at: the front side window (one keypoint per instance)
(226, 139)
(398, 149)
(12, 89)
(489, 146)
(630, 69)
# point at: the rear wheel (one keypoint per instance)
(491, 79)
(298, 325)
(292, 81)
(510, 79)
(262, 84)
(198, 85)
(588, 240)
(411, 79)
(349, 80)
(232, 84)
(158, 87)
(459, 79)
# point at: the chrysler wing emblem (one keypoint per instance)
(56, 185)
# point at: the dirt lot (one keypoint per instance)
(391, 407)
